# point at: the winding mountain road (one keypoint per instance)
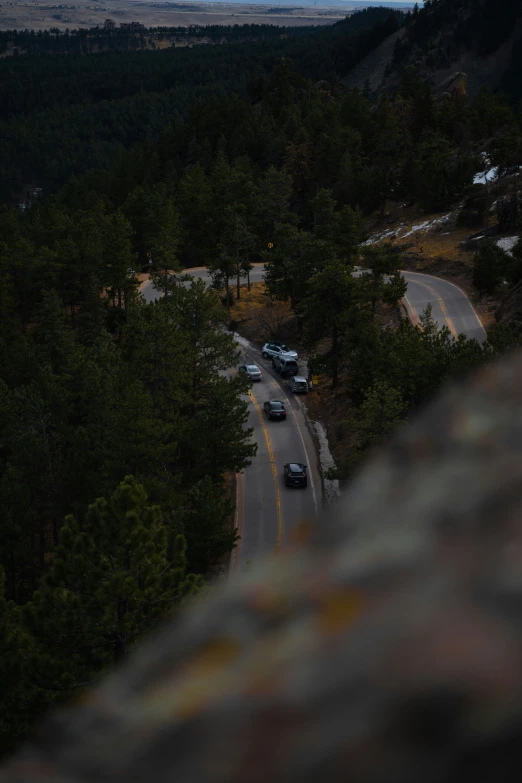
(267, 511)
(450, 305)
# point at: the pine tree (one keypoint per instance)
(206, 526)
(323, 213)
(296, 256)
(380, 279)
(118, 258)
(111, 581)
(214, 440)
(273, 198)
(91, 317)
(16, 707)
(382, 411)
(490, 266)
(163, 247)
(236, 245)
(53, 335)
(389, 151)
(439, 177)
(195, 203)
(327, 326)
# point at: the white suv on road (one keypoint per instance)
(272, 349)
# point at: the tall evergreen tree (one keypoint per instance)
(380, 279)
(327, 326)
(163, 245)
(111, 581)
(119, 259)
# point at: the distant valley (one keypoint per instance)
(73, 14)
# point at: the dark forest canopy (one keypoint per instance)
(62, 115)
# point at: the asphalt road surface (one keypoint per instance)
(267, 511)
(450, 306)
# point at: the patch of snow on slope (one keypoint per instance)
(427, 224)
(378, 237)
(331, 488)
(418, 227)
(507, 244)
(485, 176)
(243, 341)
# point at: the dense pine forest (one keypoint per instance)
(116, 415)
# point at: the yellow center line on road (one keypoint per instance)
(443, 308)
(441, 305)
(274, 468)
(414, 318)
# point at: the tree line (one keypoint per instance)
(95, 39)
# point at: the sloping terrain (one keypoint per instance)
(371, 71)
(481, 39)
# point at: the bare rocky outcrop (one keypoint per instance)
(454, 84)
(371, 71)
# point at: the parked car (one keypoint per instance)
(295, 474)
(285, 365)
(297, 384)
(275, 409)
(252, 371)
(273, 348)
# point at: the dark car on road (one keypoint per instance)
(252, 371)
(275, 409)
(298, 385)
(295, 474)
(285, 365)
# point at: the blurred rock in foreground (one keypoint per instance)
(385, 649)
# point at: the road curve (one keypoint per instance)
(269, 512)
(450, 305)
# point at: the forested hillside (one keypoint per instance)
(62, 115)
(116, 415)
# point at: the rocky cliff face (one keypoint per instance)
(481, 38)
(386, 646)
